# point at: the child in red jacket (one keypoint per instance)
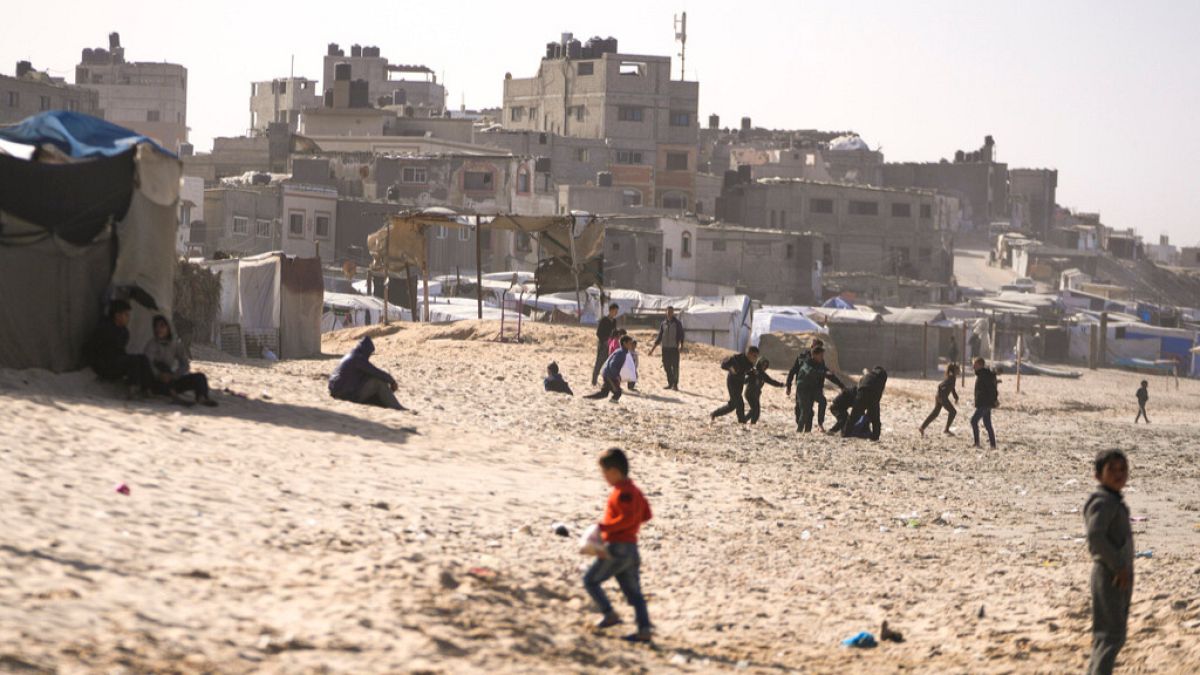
(624, 514)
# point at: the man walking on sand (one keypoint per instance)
(670, 336)
(604, 332)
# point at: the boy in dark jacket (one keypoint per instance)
(822, 402)
(1110, 541)
(987, 396)
(1143, 395)
(944, 391)
(604, 332)
(670, 338)
(624, 514)
(754, 383)
(554, 381)
(736, 368)
(611, 372)
(867, 401)
(810, 384)
(356, 380)
(105, 352)
(840, 408)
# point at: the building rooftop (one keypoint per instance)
(856, 186)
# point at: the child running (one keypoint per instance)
(754, 383)
(1110, 541)
(624, 514)
(944, 391)
(1143, 395)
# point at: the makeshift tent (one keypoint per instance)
(344, 310)
(1134, 340)
(91, 216)
(722, 321)
(837, 302)
(766, 322)
(270, 301)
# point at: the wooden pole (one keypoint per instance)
(575, 271)
(410, 290)
(478, 267)
(1018, 363)
(1092, 347)
(993, 336)
(387, 270)
(425, 268)
(925, 351)
(1102, 351)
(963, 370)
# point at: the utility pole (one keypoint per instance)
(681, 38)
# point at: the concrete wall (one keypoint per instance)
(191, 209)
(281, 100)
(983, 186)
(357, 219)
(27, 96)
(310, 205)
(374, 69)
(343, 122)
(230, 156)
(222, 205)
(898, 348)
(1036, 191)
(150, 98)
(633, 259)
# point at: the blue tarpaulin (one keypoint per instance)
(76, 134)
(836, 302)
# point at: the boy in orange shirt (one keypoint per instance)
(624, 514)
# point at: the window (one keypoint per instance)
(152, 116)
(477, 180)
(925, 255)
(926, 211)
(902, 210)
(674, 200)
(440, 232)
(861, 208)
(632, 68)
(576, 111)
(581, 154)
(524, 243)
(322, 225)
(44, 102)
(790, 251)
(585, 68)
(820, 206)
(296, 224)
(631, 198)
(772, 218)
(629, 113)
(629, 157)
(14, 99)
(533, 114)
(616, 246)
(71, 104)
(283, 87)
(679, 118)
(718, 245)
(464, 234)
(677, 161)
(262, 228)
(523, 181)
(516, 114)
(827, 255)
(414, 174)
(687, 244)
(668, 258)
(782, 218)
(241, 225)
(652, 255)
(810, 159)
(185, 214)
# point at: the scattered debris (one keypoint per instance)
(122, 488)
(863, 640)
(886, 633)
(561, 529)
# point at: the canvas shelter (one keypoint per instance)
(270, 301)
(88, 213)
(722, 321)
(404, 241)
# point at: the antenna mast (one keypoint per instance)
(681, 38)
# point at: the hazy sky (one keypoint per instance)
(1108, 93)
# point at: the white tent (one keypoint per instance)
(343, 310)
(270, 301)
(772, 322)
(716, 320)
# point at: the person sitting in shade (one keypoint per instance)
(172, 370)
(356, 380)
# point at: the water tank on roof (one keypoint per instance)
(745, 173)
(604, 179)
(551, 50)
(566, 37)
(360, 95)
(332, 50)
(746, 124)
(574, 49)
(355, 50)
(714, 121)
(341, 71)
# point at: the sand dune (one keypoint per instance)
(285, 532)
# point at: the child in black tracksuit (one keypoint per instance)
(944, 391)
(1143, 395)
(841, 408)
(755, 380)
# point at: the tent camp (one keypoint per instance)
(1134, 340)
(91, 215)
(723, 321)
(344, 310)
(270, 301)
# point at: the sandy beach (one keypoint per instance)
(287, 532)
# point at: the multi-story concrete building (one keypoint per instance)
(980, 182)
(282, 100)
(292, 217)
(1032, 193)
(191, 210)
(32, 92)
(148, 97)
(424, 96)
(869, 229)
(592, 91)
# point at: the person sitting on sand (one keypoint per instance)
(356, 380)
(624, 514)
(554, 381)
(754, 383)
(736, 368)
(170, 365)
(105, 351)
(611, 373)
(944, 391)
